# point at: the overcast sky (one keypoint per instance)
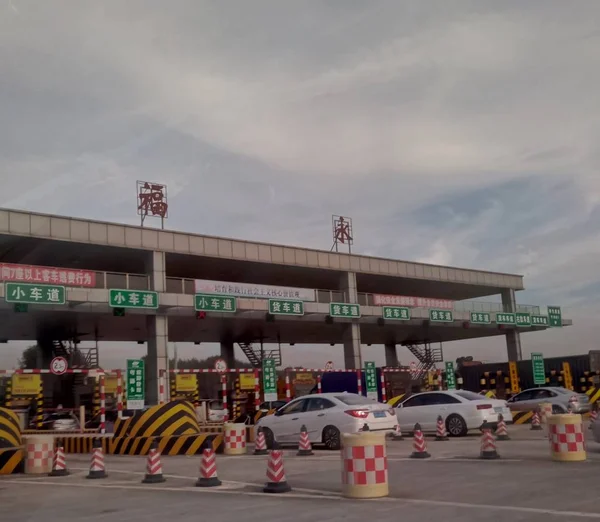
(452, 132)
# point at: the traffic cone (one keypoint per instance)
(154, 473)
(208, 468)
(59, 464)
(535, 422)
(275, 472)
(365, 427)
(304, 447)
(97, 469)
(501, 431)
(441, 429)
(397, 433)
(260, 446)
(419, 444)
(488, 444)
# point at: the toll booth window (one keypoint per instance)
(319, 404)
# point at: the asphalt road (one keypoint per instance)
(454, 485)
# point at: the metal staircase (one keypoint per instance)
(256, 354)
(427, 356)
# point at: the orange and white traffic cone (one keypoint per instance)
(501, 431)
(397, 433)
(535, 422)
(304, 447)
(260, 446)
(59, 465)
(154, 473)
(208, 468)
(441, 429)
(488, 444)
(275, 472)
(419, 444)
(97, 469)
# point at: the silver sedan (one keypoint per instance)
(560, 398)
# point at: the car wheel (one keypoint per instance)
(269, 437)
(557, 410)
(331, 438)
(456, 426)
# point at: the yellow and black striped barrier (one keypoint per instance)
(83, 443)
(172, 418)
(11, 452)
(522, 417)
(594, 394)
(261, 413)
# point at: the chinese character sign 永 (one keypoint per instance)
(132, 299)
(136, 384)
(34, 294)
(215, 303)
(286, 307)
(344, 310)
(269, 379)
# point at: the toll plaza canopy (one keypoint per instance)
(68, 278)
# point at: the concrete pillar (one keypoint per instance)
(157, 327)
(391, 355)
(227, 353)
(513, 337)
(351, 332)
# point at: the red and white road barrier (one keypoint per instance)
(256, 391)
(260, 444)
(419, 444)
(383, 390)
(501, 430)
(276, 482)
(304, 446)
(40, 451)
(208, 468)
(359, 381)
(154, 472)
(59, 466)
(97, 469)
(119, 394)
(440, 432)
(319, 387)
(161, 388)
(288, 388)
(593, 418)
(488, 444)
(224, 396)
(397, 433)
(102, 406)
(535, 422)
(364, 466)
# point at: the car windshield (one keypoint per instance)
(353, 399)
(470, 396)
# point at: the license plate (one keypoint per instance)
(379, 414)
(499, 409)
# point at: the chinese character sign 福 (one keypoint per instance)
(152, 199)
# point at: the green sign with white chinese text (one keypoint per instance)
(215, 303)
(136, 384)
(34, 294)
(344, 310)
(450, 377)
(269, 380)
(371, 379)
(539, 320)
(523, 319)
(440, 316)
(132, 299)
(539, 373)
(286, 307)
(481, 318)
(504, 318)
(555, 316)
(399, 313)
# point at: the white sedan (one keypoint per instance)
(461, 410)
(326, 416)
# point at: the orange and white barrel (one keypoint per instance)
(39, 454)
(565, 433)
(234, 436)
(364, 465)
(545, 412)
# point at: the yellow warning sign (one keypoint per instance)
(186, 383)
(110, 384)
(26, 384)
(514, 377)
(247, 381)
(567, 375)
(304, 378)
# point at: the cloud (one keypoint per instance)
(460, 134)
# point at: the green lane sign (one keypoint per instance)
(344, 310)
(555, 316)
(215, 303)
(371, 379)
(523, 319)
(399, 313)
(539, 373)
(481, 318)
(34, 294)
(136, 384)
(441, 316)
(132, 299)
(539, 320)
(269, 375)
(504, 318)
(286, 307)
(450, 377)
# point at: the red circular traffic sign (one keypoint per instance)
(221, 365)
(58, 365)
(329, 366)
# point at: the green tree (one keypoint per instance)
(29, 358)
